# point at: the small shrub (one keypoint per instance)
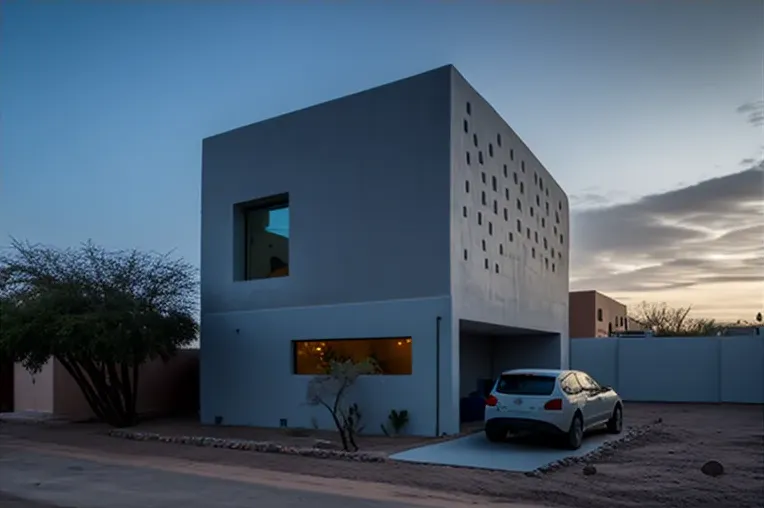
(397, 421)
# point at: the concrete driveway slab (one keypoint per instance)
(514, 455)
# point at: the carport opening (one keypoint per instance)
(486, 350)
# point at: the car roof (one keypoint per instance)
(537, 372)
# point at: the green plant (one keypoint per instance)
(101, 314)
(397, 421)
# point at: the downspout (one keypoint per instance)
(437, 376)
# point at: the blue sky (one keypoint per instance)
(103, 105)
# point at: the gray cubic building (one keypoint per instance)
(407, 223)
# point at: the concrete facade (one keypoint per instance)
(384, 241)
(593, 314)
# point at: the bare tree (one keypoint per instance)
(665, 320)
(331, 390)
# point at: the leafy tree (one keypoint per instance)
(331, 390)
(667, 321)
(101, 314)
(758, 317)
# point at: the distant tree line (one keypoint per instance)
(667, 321)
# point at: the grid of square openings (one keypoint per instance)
(504, 175)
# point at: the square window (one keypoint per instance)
(264, 237)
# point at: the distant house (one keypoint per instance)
(593, 314)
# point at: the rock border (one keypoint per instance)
(605, 450)
(248, 446)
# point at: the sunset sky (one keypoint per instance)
(649, 114)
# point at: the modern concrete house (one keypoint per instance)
(593, 314)
(408, 223)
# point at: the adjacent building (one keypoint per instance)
(593, 314)
(407, 223)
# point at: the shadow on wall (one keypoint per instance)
(164, 388)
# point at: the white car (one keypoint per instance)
(564, 403)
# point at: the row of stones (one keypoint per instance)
(606, 449)
(248, 445)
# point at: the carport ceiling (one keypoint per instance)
(491, 330)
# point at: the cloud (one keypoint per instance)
(754, 110)
(708, 233)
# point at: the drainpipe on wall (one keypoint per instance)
(437, 376)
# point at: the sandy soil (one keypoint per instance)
(662, 469)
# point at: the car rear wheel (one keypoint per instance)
(615, 423)
(495, 433)
(575, 434)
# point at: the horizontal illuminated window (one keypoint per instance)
(392, 355)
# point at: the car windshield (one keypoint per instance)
(526, 384)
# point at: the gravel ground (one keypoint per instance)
(661, 468)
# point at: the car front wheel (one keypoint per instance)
(615, 423)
